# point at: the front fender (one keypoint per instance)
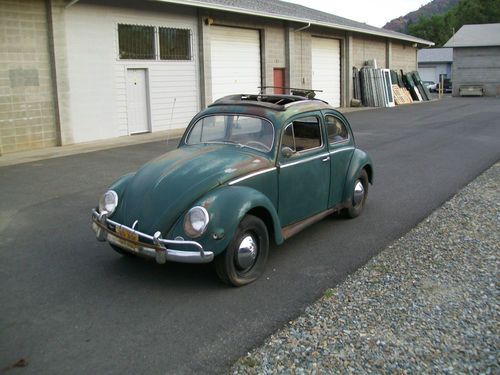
(359, 160)
(227, 206)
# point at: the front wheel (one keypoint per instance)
(245, 258)
(359, 195)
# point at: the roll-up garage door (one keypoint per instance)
(235, 61)
(326, 69)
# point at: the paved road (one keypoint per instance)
(69, 304)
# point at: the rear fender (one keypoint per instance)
(359, 160)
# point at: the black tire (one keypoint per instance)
(355, 209)
(239, 270)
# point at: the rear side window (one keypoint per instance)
(303, 134)
(336, 129)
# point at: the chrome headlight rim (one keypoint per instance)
(110, 207)
(188, 225)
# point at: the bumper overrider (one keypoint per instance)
(148, 246)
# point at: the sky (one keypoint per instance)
(373, 12)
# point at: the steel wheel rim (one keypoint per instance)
(359, 193)
(247, 252)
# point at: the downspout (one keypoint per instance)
(72, 2)
(302, 28)
(53, 71)
(301, 51)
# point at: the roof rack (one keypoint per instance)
(274, 101)
(306, 93)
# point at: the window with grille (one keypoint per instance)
(136, 42)
(174, 44)
(139, 42)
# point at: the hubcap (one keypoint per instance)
(359, 192)
(247, 253)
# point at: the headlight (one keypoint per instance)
(108, 202)
(196, 221)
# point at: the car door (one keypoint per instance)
(341, 148)
(304, 169)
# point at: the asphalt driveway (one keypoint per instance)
(69, 304)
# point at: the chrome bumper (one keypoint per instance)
(161, 250)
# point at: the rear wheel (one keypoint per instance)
(359, 195)
(245, 258)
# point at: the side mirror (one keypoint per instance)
(286, 152)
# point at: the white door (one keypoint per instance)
(137, 101)
(235, 61)
(326, 69)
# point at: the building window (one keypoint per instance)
(137, 42)
(175, 44)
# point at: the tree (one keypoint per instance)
(440, 28)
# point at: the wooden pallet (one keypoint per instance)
(401, 95)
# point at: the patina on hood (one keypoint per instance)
(167, 186)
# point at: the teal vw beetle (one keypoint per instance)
(249, 169)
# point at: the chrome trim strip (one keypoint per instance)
(158, 251)
(341, 149)
(251, 175)
(311, 158)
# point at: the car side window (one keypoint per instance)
(288, 140)
(336, 129)
(303, 134)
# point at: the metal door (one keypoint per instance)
(137, 101)
(279, 80)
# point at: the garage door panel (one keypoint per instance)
(235, 61)
(326, 69)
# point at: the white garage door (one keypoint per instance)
(235, 55)
(428, 74)
(326, 69)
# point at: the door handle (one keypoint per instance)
(325, 159)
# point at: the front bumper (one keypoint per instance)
(160, 249)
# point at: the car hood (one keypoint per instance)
(167, 186)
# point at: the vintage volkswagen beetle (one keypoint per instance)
(248, 169)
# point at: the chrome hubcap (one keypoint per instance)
(247, 253)
(359, 193)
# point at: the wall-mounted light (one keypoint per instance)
(209, 21)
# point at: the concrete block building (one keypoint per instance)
(476, 58)
(77, 71)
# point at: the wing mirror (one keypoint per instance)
(286, 152)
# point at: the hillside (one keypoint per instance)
(435, 7)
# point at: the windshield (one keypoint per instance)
(245, 131)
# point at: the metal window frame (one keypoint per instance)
(156, 36)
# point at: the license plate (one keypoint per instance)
(127, 238)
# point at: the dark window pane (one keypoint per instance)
(307, 133)
(175, 44)
(336, 130)
(288, 138)
(136, 42)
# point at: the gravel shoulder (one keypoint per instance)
(426, 304)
